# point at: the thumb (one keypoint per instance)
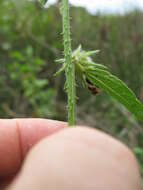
(80, 159)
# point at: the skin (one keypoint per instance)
(40, 154)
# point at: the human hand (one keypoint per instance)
(71, 159)
(17, 137)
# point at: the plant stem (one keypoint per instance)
(70, 68)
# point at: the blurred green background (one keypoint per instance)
(31, 40)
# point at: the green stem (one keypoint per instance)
(70, 68)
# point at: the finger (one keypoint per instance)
(5, 182)
(17, 136)
(79, 159)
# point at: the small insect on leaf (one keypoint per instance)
(94, 89)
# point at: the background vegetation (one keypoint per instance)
(30, 41)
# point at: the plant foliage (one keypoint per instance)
(99, 76)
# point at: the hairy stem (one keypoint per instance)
(70, 68)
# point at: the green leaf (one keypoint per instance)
(117, 89)
(95, 66)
